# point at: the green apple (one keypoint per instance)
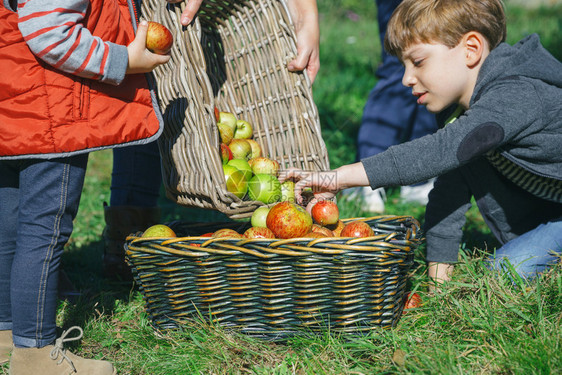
(264, 188)
(228, 119)
(236, 182)
(259, 217)
(225, 133)
(243, 166)
(264, 165)
(243, 130)
(288, 191)
(240, 148)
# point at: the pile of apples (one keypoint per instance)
(289, 220)
(248, 174)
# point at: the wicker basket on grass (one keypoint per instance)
(274, 288)
(232, 57)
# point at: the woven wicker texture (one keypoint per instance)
(278, 288)
(233, 57)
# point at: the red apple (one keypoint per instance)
(259, 217)
(288, 220)
(226, 154)
(264, 188)
(325, 212)
(315, 235)
(240, 148)
(256, 148)
(217, 114)
(243, 130)
(159, 39)
(258, 232)
(264, 165)
(413, 300)
(357, 228)
(322, 230)
(236, 182)
(228, 119)
(227, 232)
(208, 234)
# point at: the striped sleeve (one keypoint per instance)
(54, 32)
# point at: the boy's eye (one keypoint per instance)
(417, 62)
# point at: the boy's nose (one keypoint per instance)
(408, 79)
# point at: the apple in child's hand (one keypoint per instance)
(264, 188)
(259, 217)
(258, 232)
(357, 228)
(256, 148)
(325, 212)
(264, 165)
(288, 220)
(236, 182)
(228, 119)
(159, 230)
(227, 232)
(240, 148)
(226, 154)
(159, 39)
(243, 130)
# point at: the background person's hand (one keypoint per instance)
(190, 10)
(141, 60)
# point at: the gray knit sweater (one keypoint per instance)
(516, 112)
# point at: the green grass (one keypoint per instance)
(480, 324)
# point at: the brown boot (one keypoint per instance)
(55, 360)
(5, 345)
(120, 221)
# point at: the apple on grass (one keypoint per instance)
(413, 300)
(159, 39)
(243, 130)
(288, 220)
(159, 230)
(259, 217)
(357, 228)
(242, 165)
(325, 212)
(258, 232)
(236, 182)
(264, 188)
(227, 119)
(240, 148)
(256, 148)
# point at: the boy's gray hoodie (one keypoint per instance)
(516, 110)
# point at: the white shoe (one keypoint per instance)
(417, 194)
(373, 199)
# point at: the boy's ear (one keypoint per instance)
(476, 47)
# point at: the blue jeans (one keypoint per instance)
(136, 176)
(38, 202)
(532, 252)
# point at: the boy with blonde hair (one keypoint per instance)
(499, 108)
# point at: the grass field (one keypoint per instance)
(480, 323)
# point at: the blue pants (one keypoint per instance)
(532, 252)
(391, 114)
(136, 176)
(38, 201)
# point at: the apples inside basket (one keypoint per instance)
(233, 57)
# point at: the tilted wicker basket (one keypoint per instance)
(277, 288)
(233, 57)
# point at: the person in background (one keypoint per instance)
(72, 82)
(136, 176)
(391, 116)
(499, 139)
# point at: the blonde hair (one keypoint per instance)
(445, 22)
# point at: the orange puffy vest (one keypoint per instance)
(47, 113)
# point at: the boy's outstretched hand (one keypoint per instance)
(326, 184)
(141, 60)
